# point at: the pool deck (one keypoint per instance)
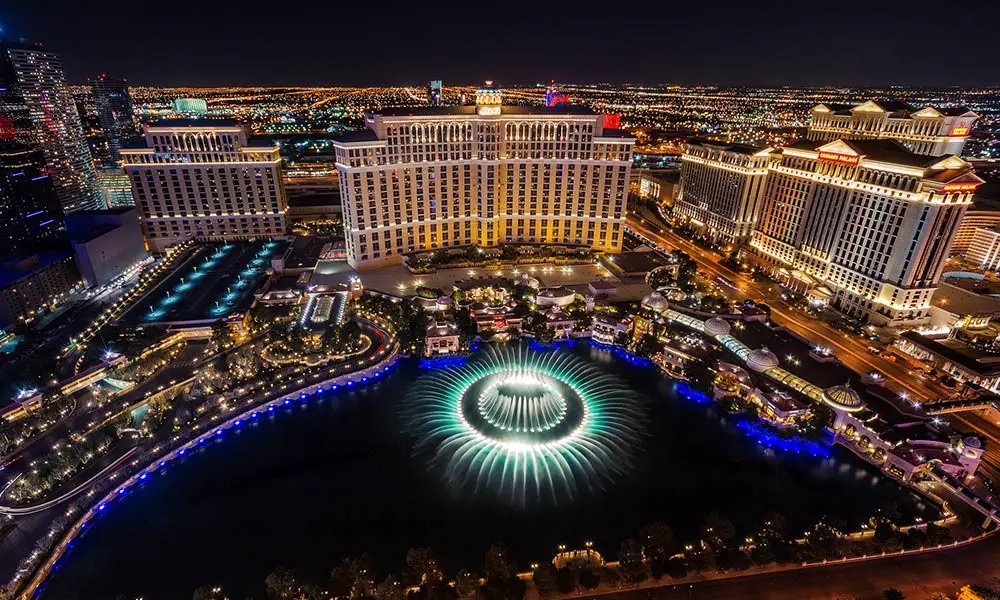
(216, 282)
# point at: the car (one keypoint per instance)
(874, 350)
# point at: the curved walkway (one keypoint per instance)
(385, 355)
(43, 506)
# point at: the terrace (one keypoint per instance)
(217, 282)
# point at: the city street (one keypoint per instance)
(917, 576)
(850, 349)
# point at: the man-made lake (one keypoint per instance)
(352, 473)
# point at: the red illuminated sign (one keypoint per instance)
(959, 131)
(844, 159)
(960, 187)
(612, 121)
(7, 129)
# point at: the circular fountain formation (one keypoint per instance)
(526, 425)
(522, 407)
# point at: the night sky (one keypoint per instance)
(330, 42)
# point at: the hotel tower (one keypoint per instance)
(426, 178)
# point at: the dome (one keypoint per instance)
(762, 359)
(655, 302)
(842, 397)
(716, 326)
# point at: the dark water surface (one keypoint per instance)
(339, 476)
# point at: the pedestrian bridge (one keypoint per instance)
(962, 405)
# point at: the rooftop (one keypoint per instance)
(616, 133)
(469, 109)
(882, 150)
(14, 270)
(961, 354)
(195, 122)
(363, 135)
(966, 296)
(737, 148)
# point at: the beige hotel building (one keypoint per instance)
(861, 213)
(721, 188)
(201, 179)
(426, 178)
(929, 131)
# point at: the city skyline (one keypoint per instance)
(725, 44)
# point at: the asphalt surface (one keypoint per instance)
(917, 576)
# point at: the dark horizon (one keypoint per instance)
(726, 43)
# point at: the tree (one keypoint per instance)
(658, 542)
(209, 592)
(590, 577)
(566, 580)
(282, 583)
(390, 589)
(818, 417)
(893, 594)
(718, 532)
(467, 585)
(502, 582)
(545, 578)
(676, 568)
(221, 334)
(630, 563)
(498, 566)
(647, 345)
(353, 578)
(424, 566)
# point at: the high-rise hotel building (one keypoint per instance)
(867, 219)
(439, 177)
(928, 131)
(200, 179)
(37, 107)
(720, 191)
(862, 212)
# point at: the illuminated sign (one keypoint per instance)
(612, 121)
(959, 130)
(960, 187)
(844, 159)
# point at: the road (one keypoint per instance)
(850, 350)
(918, 576)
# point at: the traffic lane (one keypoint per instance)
(917, 576)
(839, 341)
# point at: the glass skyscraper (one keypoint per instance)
(114, 111)
(37, 108)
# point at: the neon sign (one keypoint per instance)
(844, 159)
(959, 130)
(960, 187)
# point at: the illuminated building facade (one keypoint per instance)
(115, 187)
(435, 93)
(868, 219)
(929, 131)
(114, 111)
(39, 107)
(721, 187)
(977, 217)
(40, 281)
(427, 178)
(985, 248)
(29, 209)
(200, 179)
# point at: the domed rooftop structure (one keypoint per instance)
(716, 326)
(762, 359)
(842, 397)
(656, 302)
